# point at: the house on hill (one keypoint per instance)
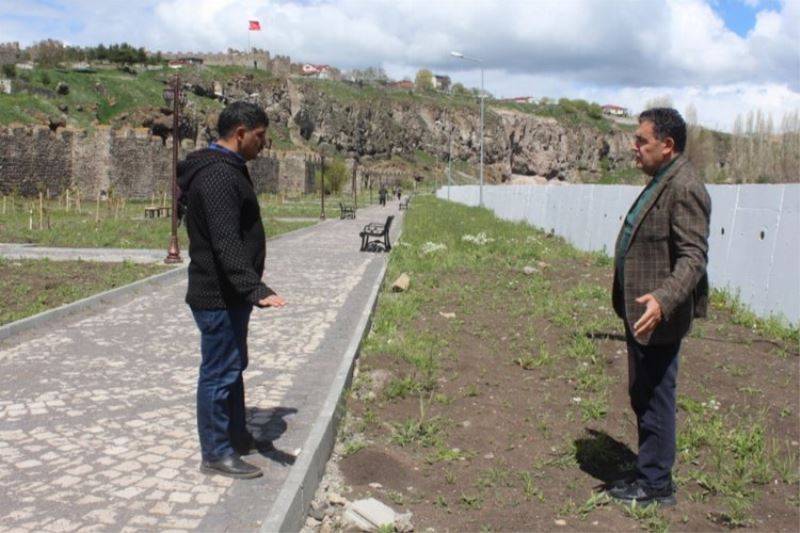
(615, 110)
(440, 82)
(316, 71)
(404, 85)
(522, 100)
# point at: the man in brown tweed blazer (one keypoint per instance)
(660, 284)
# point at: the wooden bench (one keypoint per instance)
(375, 236)
(157, 212)
(404, 202)
(346, 211)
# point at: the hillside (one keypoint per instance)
(566, 140)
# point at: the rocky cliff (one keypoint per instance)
(385, 127)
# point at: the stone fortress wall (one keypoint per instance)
(9, 53)
(128, 162)
(260, 59)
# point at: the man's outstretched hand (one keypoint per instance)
(273, 300)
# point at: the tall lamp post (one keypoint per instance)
(450, 156)
(459, 55)
(173, 95)
(322, 188)
(355, 187)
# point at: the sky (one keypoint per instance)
(721, 57)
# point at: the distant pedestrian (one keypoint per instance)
(399, 192)
(382, 193)
(660, 284)
(227, 247)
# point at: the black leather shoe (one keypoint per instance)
(249, 444)
(231, 466)
(634, 492)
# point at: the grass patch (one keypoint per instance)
(117, 223)
(31, 287)
(533, 367)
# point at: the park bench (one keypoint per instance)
(346, 211)
(404, 202)
(157, 212)
(375, 236)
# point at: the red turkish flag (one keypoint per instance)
(254, 25)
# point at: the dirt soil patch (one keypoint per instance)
(525, 421)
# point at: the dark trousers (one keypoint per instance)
(652, 385)
(220, 388)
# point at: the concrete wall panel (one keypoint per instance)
(723, 215)
(783, 294)
(754, 248)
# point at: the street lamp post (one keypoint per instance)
(355, 188)
(322, 188)
(173, 95)
(450, 157)
(459, 55)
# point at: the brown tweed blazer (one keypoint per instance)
(667, 256)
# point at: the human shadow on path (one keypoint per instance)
(604, 458)
(269, 424)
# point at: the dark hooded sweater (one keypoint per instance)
(227, 244)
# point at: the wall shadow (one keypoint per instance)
(604, 458)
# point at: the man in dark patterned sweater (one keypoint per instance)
(227, 248)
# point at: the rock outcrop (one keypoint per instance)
(515, 143)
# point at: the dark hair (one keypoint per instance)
(240, 114)
(667, 122)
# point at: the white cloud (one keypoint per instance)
(618, 50)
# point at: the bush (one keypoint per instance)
(335, 176)
(10, 71)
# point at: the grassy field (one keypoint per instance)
(118, 224)
(30, 287)
(492, 394)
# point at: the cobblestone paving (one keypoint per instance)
(97, 422)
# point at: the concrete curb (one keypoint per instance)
(72, 308)
(289, 511)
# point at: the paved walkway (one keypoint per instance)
(97, 420)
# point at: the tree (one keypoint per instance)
(458, 89)
(335, 176)
(48, 53)
(368, 74)
(699, 143)
(424, 80)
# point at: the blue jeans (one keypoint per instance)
(652, 385)
(220, 388)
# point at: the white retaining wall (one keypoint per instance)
(754, 244)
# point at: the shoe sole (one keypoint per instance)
(665, 501)
(243, 475)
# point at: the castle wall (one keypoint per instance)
(33, 159)
(139, 164)
(9, 53)
(127, 162)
